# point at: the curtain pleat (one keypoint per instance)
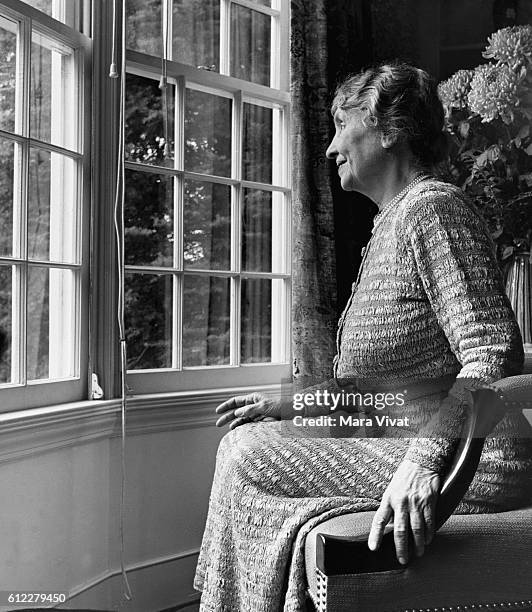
(314, 312)
(328, 40)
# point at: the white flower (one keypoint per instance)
(511, 46)
(454, 91)
(494, 92)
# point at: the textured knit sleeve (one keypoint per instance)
(455, 261)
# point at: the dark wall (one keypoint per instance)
(350, 47)
(440, 36)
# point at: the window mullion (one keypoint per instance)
(167, 28)
(76, 344)
(177, 321)
(225, 37)
(178, 278)
(20, 213)
(20, 190)
(236, 231)
(275, 66)
(179, 205)
(18, 324)
(284, 43)
(285, 177)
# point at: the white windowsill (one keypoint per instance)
(26, 432)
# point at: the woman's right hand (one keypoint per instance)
(246, 408)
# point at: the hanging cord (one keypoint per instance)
(163, 85)
(119, 231)
(112, 69)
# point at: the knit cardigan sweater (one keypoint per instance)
(428, 304)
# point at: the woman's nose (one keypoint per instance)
(332, 152)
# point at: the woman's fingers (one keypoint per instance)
(238, 422)
(411, 498)
(428, 517)
(249, 412)
(243, 414)
(244, 408)
(417, 526)
(401, 532)
(225, 418)
(380, 520)
(235, 402)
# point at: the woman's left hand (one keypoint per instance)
(247, 408)
(410, 498)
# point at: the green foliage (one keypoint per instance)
(488, 119)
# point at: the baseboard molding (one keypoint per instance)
(156, 584)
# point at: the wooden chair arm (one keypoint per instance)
(337, 555)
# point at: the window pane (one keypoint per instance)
(257, 231)
(51, 207)
(7, 165)
(257, 155)
(206, 321)
(143, 26)
(66, 11)
(250, 45)
(149, 121)
(207, 226)
(148, 318)
(207, 133)
(149, 219)
(42, 5)
(51, 323)
(256, 330)
(8, 73)
(5, 323)
(52, 92)
(196, 33)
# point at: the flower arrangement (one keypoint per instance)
(488, 114)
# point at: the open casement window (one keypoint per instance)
(43, 204)
(207, 198)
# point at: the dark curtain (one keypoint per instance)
(328, 40)
(350, 40)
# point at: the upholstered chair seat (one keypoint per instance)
(482, 561)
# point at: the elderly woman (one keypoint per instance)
(427, 312)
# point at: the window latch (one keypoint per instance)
(96, 390)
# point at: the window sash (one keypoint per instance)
(184, 77)
(278, 13)
(70, 383)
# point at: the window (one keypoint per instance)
(43, 207)
(207, 199)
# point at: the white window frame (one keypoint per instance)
(29, 394)
(177, 378)
(98, 349)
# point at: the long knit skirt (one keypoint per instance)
(270, 490)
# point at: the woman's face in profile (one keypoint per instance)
(356, 148)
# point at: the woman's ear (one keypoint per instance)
(368, 119)
(387, 141)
